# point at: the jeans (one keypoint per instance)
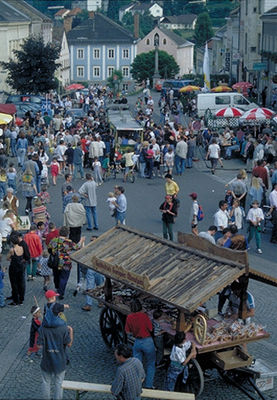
(21, 156)
(13, 147)
(120, 217)
(159, 343)
(29, 204)
(32, 267)
(63, 278)
(230, 149)
(46, 383)
(12, 184)
(167, 229)
(3, 189)
(142, 169)
(145, 347)
(253, 231)
(173, 372)
(38, 183)
(149, 166)
(93, 279)
(180, 164)
(91, 213)
(189, 162)
(78, 168)
(2, 298)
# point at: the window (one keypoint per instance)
(148, 42)
(125, 53)
(240, 100)
(253, 49)
(164, 41)
(110, 53)
(96, 72)
(110, 71)
(125, 87)
(259, 43)
(246, 7)
(96, 54)
(80, 54)
(222, 100)
(80, 72)
(245, 43)
(125, 72)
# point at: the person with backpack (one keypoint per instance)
(196, 214)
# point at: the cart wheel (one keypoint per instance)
(200, 328)
(195, 381)
(112, 327)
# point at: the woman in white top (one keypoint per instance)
(255, 216)
(213, 154)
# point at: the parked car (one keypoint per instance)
(25, 98)
(176, 85)
(22, 108)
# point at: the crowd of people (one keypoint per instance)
(55, 144)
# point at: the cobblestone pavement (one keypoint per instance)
(90, 359)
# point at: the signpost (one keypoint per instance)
(260, 66)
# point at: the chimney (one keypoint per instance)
(67, 23)
(136, 25)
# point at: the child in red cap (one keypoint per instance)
(53, 310)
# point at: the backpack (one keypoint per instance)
(200, 214)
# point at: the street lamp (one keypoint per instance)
(156, 75)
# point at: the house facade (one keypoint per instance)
(181, 49)
(98, 47)
(153, 8)
(269, 53)
(186, 21)
(18, 21)
(90, 5)
(63, 71)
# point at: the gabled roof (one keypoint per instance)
(143, 6)
(176, 38)
(74, 12)
(270, 13)
(180, 275)
(99, 29)
(26, 9)
(180, 19)
(57, 33)
(11, 14)
(62, 12)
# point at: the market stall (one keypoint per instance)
(177, 279)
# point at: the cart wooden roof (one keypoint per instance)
(178, 274)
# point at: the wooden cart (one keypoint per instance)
(177, 278)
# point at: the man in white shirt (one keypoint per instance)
(221, 218)
(213, 154)
(194, 213)
(273, 204)
(180, 156)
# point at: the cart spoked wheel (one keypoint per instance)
(200, 328)
(195, 381)
(112, 327)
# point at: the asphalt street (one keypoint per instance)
(90, 359)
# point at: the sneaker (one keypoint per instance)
(86, 307)
(29, 278)
(13, 304)
(259, 251)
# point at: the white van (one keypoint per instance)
(215, 101)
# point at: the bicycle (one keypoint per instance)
(130, 177)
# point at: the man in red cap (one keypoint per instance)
(194, 213)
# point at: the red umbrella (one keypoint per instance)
(229, 112)
(75, 86)
(257, 114)
(242, 85)
(7, 109)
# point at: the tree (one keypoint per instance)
(114, 80)
(146, 24)
(203, 29)
(113, 9)
(32, 70)
(143, 66)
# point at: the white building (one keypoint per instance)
(18, 21)
(90, 5)
(152, 8)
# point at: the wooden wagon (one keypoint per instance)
(178, 279)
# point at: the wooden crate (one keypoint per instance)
(230, 359)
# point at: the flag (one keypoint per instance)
(206, 69)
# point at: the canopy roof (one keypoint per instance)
(7, 109)
(176, 274)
